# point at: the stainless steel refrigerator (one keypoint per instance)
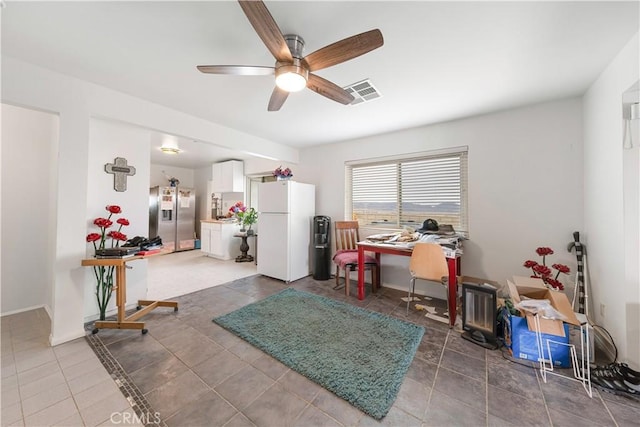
(172, 216)
(286, 210)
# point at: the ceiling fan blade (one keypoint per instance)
(330, 90)
(267, 29)
(277, 99)
(237, 70)
(344, 50)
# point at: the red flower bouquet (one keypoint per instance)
(104, 274)
(545, 273)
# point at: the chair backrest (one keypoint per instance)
(346, 235)
(428, 262)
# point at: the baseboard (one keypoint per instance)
(22, 310)
(53, 341)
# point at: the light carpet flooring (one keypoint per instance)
(182, 273)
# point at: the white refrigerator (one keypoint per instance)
(286, 211)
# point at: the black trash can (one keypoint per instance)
(321, 247)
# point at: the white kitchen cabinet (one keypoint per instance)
(218, 240)
(228, 177)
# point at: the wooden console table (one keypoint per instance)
(120, 287)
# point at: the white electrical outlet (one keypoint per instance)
(602, 310)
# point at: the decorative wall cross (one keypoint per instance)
(120, 171)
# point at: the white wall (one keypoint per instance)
(29, 141)
(159, 175)
(107, 141)
(525, 183)
(76, 101)
(611, 206)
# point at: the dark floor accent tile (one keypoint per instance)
(219, 368)
(157, 374)
(524, 383)
(625, 414)
(135, 353)
(422, 371)
(337, 408)
(176, 394)
(412, 398)
(239, 420)
(275, 407)
(209, 410)
(466, 389)
(429, 351)
(455, 342)
(312, 416)
(191, 346)
(511, 406)
(244, 387)
(299, 385)
(163, 328)
(223, 337)
(463, 364)
(495, 421)
(270, 366)
(246, 351)
(395, 418)
(445, 411)
(561, 418)
(566, 395)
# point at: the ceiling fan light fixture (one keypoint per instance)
(291, 77)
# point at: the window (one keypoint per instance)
(399, 191)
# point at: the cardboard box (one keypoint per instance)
(534, 288)
(523, 341)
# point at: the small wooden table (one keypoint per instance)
(120, 287)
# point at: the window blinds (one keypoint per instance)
(397, 191)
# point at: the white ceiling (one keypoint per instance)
(440, 61)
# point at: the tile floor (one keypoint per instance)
(194, 373)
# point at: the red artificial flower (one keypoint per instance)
(116, 235)
(529, 264)
(561, 268)
(542, 270)
(555, 284)
(543, 251)
(114, 209)
(92, 237)
(103, 222)
(123, 221)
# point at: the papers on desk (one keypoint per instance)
(451, 244)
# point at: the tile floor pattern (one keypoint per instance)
(194, 373)
(64, 385)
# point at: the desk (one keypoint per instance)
(453, 263)
(123, 322)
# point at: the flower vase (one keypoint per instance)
(283, 178)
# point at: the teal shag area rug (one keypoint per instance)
(359, 355)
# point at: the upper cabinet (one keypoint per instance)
(228, 177)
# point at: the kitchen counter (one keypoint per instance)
(219, 221)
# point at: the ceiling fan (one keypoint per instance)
(293, 71)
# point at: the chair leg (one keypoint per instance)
(337, 276)
(346, 281)
(412, 286)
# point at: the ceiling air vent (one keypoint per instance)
(362, 91)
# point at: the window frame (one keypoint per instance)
(461, 152)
